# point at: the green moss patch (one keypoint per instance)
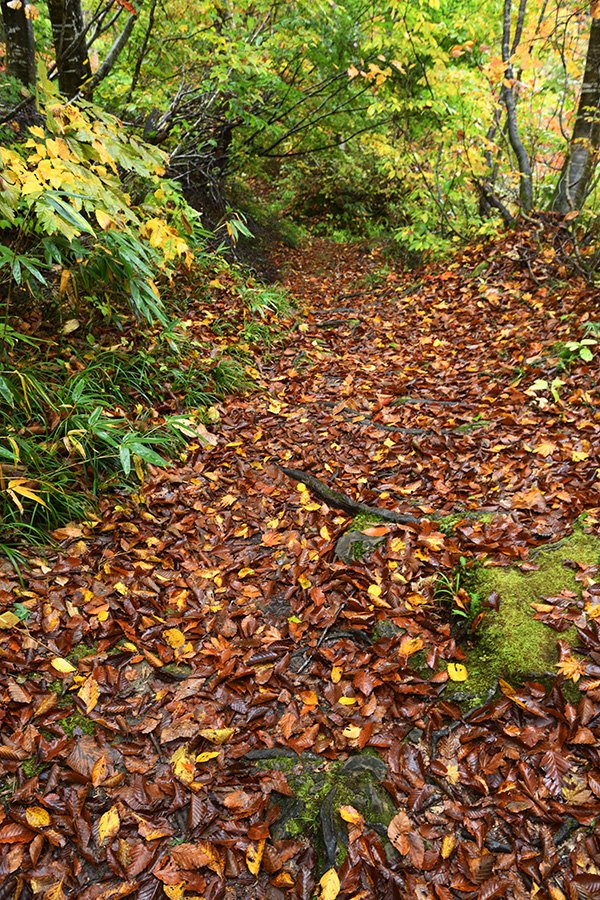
(510, 643)
(363, 520)
(79, 721)
(321, 787)
(80, 651)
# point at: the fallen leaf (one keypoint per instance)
(457, 672)
(329, 885)
(254, 855)
(108, 825)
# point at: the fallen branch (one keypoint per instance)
(345, 503)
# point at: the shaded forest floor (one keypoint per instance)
(231, 684)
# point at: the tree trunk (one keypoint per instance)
(20, 46)
(509, 98)
(578, 169)
(72, 60)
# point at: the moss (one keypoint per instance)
(77, 720)
(363, 520)
(476, 423)
(280, 763)
(447, 524)
(510, 643)
(320, 788)
(80, 651)
(31, 767)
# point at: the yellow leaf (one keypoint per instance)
(324, 532)
(72, 324)
(572, 668)
(99, 770)
(174, 891)
(409, 645)
(349, 814)
(102, 615)
(37, 817)
(8, 620)
(457, 672)
(217, 735)
(174, 638)
(337, 672)
(556, 893)
(374, 591)
(352, 732)
(545, 448)
(109, 825)
(452, 773)
(208, 754)
(103, 219)
(19, 486)
(309, 698)
(304, 582)
(579, 455)
(329, 885)
(89, 692)
(347, 701)
(246, 571)
(120, 588)
(184, 765)
(448, 845)
(62, 665)
(254, 855)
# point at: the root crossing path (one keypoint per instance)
(205, 701)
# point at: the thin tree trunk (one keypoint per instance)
(20, 45)
(579, 166)
(69, 46)
(112, 55)
(509, 98)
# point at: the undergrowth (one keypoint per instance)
(80, 414)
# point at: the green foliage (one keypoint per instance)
(455, 592)
(87, 197)
(574, 351)
(86, 417)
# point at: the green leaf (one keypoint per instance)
(148, 455)
(6, 392)
(125, 457)
(586, 354)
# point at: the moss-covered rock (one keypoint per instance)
(510, 643)
(353, 544)
(321, 787)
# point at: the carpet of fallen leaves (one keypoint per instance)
(210, 616)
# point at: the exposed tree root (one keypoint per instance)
(345, 503)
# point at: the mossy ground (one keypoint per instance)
(321, 787)
(510, 643)
(79, 721)
(80, 651)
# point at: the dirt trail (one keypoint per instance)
(217, 602)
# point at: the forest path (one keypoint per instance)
(215, 620)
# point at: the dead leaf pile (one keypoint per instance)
(209, 617)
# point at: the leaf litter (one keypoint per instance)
(208, 621)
